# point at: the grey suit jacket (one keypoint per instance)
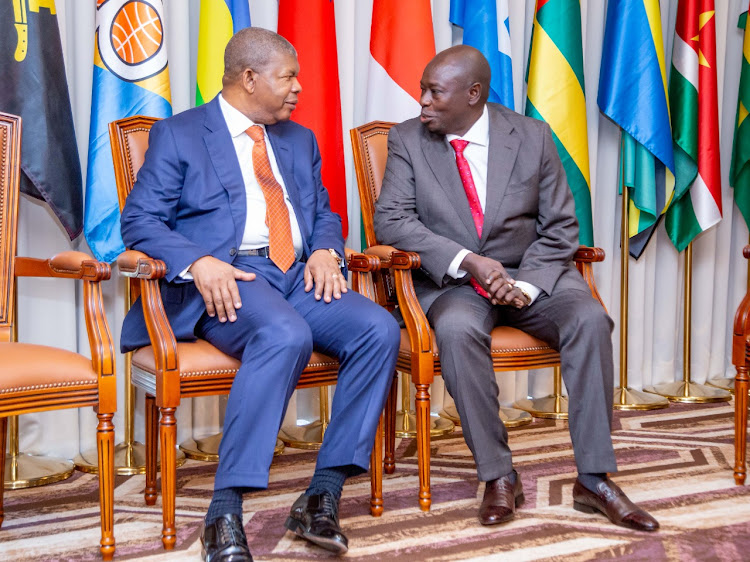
(529, 222)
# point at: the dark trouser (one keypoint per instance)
(572, 322)
(276, 330)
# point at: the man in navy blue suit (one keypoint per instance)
(230, 198)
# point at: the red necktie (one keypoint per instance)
(280, 244)
(471, 194)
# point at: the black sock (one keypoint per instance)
(331, 480)
(226, 500)
(591, 480)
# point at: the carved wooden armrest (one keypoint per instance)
(741, 333)
(78, 265)
(584, 257)
(137, 265)
(363, 263)
(394, 258)
(66, 265)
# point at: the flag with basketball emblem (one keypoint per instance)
(35, 87)
(131, 77)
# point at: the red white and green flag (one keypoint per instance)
(693, 102)
(739, 171)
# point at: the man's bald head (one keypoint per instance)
(465, 64)
(254, 48)
(455, 86)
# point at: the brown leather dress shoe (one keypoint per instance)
(610, 500)
(501, 498)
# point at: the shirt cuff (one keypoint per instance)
(184, 274)
(532, 290)
(453, 270)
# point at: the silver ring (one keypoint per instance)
(510, 286)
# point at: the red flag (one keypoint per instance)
(310, 26)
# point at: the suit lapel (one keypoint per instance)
(503, 151)
(224, 159)
(442, 162)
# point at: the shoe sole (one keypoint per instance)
(585, 508)
(299, 529)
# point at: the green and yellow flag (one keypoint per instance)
(556, 94)
(739, 171)
(219, 20)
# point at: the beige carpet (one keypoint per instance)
(676, 462)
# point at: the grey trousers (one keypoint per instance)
(570, 321)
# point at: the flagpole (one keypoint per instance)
(626, 398)
(686, 390)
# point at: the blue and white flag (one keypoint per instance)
(486, 25)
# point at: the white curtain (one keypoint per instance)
(48, 312)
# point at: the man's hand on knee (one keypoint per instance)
(217, 283)
(322, 271)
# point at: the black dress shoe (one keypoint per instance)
(316, 518)
(610, 500)
(224, 540)
(501, 498)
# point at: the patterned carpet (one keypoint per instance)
(675, 462)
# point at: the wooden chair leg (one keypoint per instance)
(152, 437)
(740, 424)
(422, 404)
(390, 427)
(376, 473)
(105, 444)
(168, 442)
(3, 437)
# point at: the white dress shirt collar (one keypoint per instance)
(237, 122)
(479, 133)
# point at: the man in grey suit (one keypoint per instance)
(480, 192)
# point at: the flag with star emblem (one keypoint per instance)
(693, 100)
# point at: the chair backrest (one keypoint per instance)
(10, 175)
(129, 141)
(370, 147)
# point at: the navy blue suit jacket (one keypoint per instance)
(189, 201)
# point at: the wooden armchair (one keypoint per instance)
(169, 370)
(741, 361)
(512, 349)
(36, 378)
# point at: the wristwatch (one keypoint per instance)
(336, 256)
(526, 295)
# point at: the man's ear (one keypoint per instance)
(475, 93)
(249, 80)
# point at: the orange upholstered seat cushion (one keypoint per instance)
(26, 367)
(504, 340)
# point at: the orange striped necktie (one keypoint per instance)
(281, 247)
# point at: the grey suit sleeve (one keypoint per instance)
(397, 221)
(550, 255)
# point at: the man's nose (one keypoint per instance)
(425, 99)
(296, 87)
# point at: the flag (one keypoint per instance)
(479, 19)
(131, 77)
(633, 93)
(35, 87)
(556, 94)
(739, 170)
(402, 42)
(311, 28)
(219, 20)
(694, 105)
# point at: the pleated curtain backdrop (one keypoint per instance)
(656, 286)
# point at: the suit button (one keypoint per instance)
(233, 251)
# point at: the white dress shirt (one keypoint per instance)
(477, 154)
(256, 230)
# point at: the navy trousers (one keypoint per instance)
(276, 330)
